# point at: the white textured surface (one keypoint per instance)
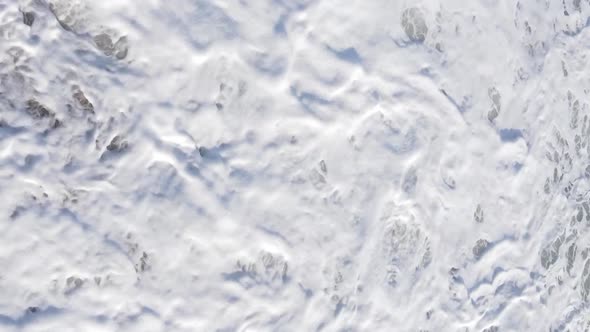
(294, 165)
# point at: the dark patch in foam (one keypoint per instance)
(348, 54)
(510, 134)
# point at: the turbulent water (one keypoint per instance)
(294, 165)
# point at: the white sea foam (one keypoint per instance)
(294, 165)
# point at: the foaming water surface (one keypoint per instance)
(301, 165)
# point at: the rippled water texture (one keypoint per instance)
(294, 165)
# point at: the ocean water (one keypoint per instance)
(294, 165)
